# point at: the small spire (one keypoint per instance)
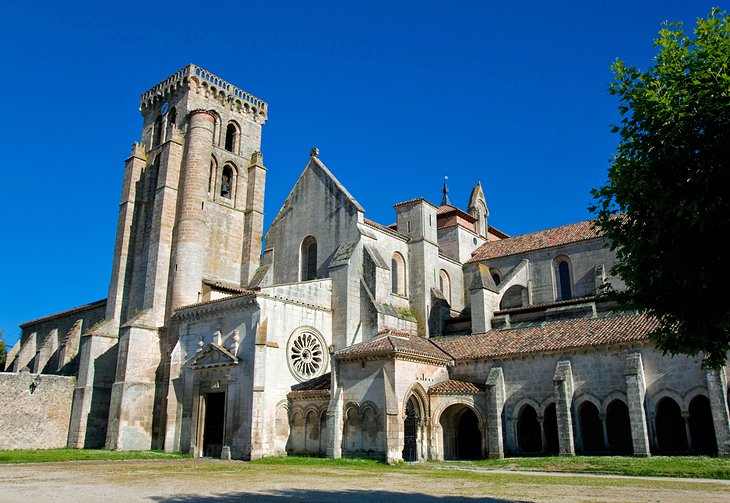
(445, 200)
(314, 152)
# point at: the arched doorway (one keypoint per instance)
(529, 437)
(670, 429)
(410, 430)
(462, 437)
(591, 428)
(701, 428)
(618, 428)
(550, 427)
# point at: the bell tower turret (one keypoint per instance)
(191, 213)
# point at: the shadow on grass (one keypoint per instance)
(291, 495)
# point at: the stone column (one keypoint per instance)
(495, 405)
(191, 233)
(606, 446)
(394, 435)
(133, 169)
(254, 218)
(543, 439)
(436, 450)
(563, 389)
(635, 391)
(334, 410)
(90, 410)
(687, 432)
(717, 389)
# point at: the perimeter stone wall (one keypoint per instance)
(36, 410)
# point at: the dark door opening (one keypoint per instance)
(410, 432)
(469, 438)
(215, 413)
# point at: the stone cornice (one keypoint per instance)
(214, 307)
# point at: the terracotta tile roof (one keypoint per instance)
(415, 200)
(390, 343)
(321, 383)
(549, 336)
(547, 305)
(225, 287)
(246, 293)
(453, 387)
(548, 238)
(386, 229)
(497, 233)
(85, 307)
(447, 209)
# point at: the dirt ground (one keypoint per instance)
(209, 481)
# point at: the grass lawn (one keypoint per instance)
(657, 466)
(51, 455)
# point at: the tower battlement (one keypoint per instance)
(223, 91)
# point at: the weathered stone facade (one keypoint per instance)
(36, 410)
(437, 337)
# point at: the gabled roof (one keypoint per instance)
(315, 163)
(394, 343)
(85, 307)
(454, 387)
(548, 238)
(213, 356)
(321, 383)
(315, 166)
(415, 200)
(549, 336)
(448, 209)
(387, 229)
(246, 293)
(225, 287)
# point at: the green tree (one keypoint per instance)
(666, 203)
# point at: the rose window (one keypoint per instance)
(307, 357)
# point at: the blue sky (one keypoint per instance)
(396, 95)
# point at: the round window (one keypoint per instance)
(306, 354)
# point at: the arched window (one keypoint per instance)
(550, 427)
(398, 274)
(671, 432)
(515, 296)
(157, 132)
(496, 275)
(212, 175)
(216, 128)
(171, 123)
(445, 284)
(591, 428)
(308, 259)
(529, 437)
(701, 428)
(227, 180)
(563, 284)
(232, 138)
(480, 213)
(410, 430)
(618, 428)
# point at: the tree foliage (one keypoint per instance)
(666, 203)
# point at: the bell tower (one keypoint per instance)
(191, 213)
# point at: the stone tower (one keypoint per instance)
(191, 215)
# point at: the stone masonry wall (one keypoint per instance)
(36, 410)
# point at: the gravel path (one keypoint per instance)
(210, 481)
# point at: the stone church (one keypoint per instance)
(434, 337)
